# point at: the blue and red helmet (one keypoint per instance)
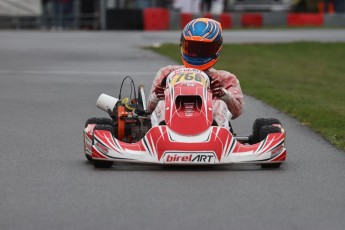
(201, 43)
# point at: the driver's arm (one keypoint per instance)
(156, 90)
(233, 96)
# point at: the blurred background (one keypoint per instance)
(166, 14)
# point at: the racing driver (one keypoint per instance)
(201, 45)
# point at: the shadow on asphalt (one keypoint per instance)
(167, 168)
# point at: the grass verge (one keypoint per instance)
(303, 79)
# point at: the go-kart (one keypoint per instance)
(187, 136)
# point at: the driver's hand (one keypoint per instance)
(159, 91)
(217, 89)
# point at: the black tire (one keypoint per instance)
(267, 129)
(99, 121)
(264, 131)
(102, 164)
(258, 124)
(271, 166)
(105, 127)
(88, 157)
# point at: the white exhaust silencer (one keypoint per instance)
(106, 102)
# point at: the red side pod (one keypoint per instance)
(96, 154)
(280, 158)
(88, 138)
(89, 131)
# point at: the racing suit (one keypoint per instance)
(230, 105)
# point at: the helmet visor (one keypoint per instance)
(199, 49)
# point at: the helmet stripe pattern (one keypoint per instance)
(201, 43)
(210, 31)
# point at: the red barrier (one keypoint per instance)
(226, 21)
(208, 15)
(252, 20)
(305, 19)
(156, 19)
(185, 18)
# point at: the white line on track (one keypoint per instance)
(69, 72)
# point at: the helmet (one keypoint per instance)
(201, 43)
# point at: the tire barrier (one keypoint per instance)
(252, 20)
(124, 19)
(226, 21)
(185, 18)
(305, 19)
(155, 19)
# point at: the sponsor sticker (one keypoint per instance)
(189, 158)
(101, 147)
(277, 150)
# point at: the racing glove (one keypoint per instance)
(159, 91)
(217, 89)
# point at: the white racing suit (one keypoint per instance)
(225, 108)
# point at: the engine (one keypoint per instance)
(131, 121)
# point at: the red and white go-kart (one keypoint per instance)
(189, 135)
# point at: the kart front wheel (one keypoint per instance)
(264, 131)
(88, 157)
(102, 164)
(258, 124)
(271, 166)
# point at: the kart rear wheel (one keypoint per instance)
(102, 164)
(258, 124)
(99, 121)
(264, 131)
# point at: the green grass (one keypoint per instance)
(305, 80)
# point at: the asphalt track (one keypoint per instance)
(49, 83)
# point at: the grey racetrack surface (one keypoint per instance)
(49, 84)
